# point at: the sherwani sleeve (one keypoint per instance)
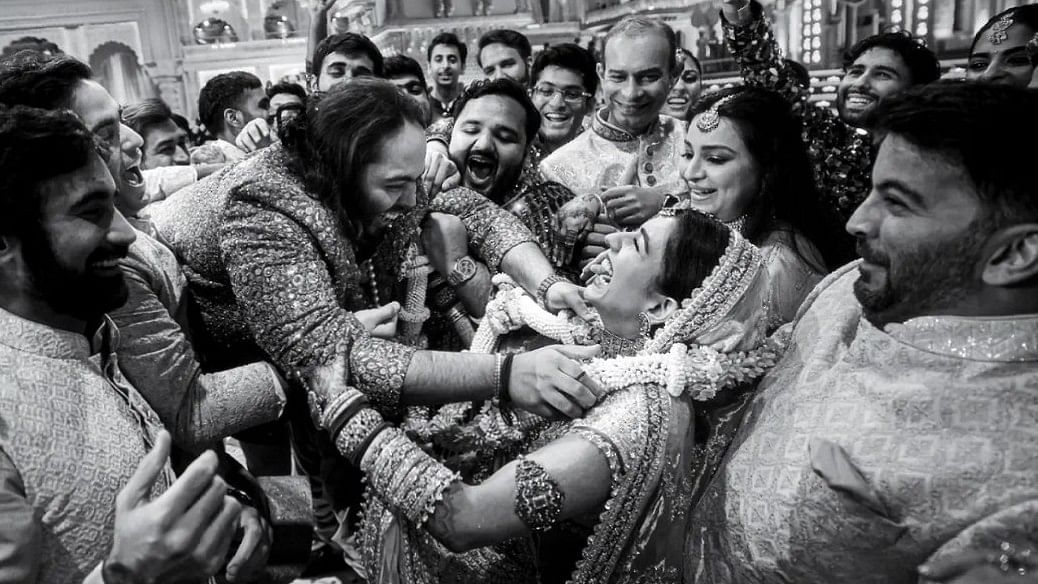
(283, 286)
(157, 358)
(1016, 525)
(19, 532)
(492, 231)
(440, 131)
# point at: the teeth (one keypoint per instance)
(112, 263)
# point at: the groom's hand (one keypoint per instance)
(550, 382)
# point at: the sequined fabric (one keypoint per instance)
(74, 430)
(597, 158)
(940, 436)
(841, 155)
(794, 266)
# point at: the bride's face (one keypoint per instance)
(625, 276)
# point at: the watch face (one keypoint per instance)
(462, 271)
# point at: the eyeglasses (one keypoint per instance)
(570, 95)
(285, 113)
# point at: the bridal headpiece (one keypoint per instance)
(709, 304)
(709, 120)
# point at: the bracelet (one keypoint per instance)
(544, 286)
(407, 479)
(499, 368)
(538, 498)
(503, 396)
(341, 409)
(357, 432)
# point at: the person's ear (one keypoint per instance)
(1011, 256)
(662, 309)
(233, 118)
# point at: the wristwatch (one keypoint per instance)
(462, 271)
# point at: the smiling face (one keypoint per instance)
(101, 115)
(165, 144)
(445, 65)
(499, 60)
(626, 275)
(685, 92)
(875, 74)
(636, 80)
(562, 116)
(73, 255)
(339, 68)
(722, 176)
(389, 183)
(488, 144)
(1005, 63)
(919, 234)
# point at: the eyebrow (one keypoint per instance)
(718, 147)
(914, 196)
(1012, 51)
(653, 70)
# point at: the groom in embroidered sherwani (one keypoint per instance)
(899, 433)
(632, 154)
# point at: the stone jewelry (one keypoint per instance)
(538, 498)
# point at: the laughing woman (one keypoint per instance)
(681, 306)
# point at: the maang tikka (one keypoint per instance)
(709, 120)
(999, 30)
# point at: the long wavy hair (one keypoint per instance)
(772, 134)
(340, 133)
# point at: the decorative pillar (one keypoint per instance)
(811, 32)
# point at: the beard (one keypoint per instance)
(923, 280)
(83, 295)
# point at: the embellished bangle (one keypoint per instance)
(503, 396)
(499, 367)
(357, 433)
(404, 476)
(538, 498)
(341, 409)
(544, 286)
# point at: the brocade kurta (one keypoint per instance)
(867, 451)
(598, 157)
(72, 432)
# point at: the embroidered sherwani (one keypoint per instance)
(199, 408)
(72, 432)
(841, 155)
(867, 451)
(597, 158)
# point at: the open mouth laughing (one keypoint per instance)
(480, 171)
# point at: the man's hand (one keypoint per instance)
(255, 135)
(183, 535)
(573, 221)
(567, 295)
(445, 240)
(441, 174)
(596, 243)
(550, 383)
(632, 205)
(983, 567)
(380, 322)
(321, 6)
(731, 9)
(251, 556)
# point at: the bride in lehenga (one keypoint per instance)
(605, 498)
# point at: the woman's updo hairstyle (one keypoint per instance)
(772, 134)
(340, 132)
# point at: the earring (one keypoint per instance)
(643, 325)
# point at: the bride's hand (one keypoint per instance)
(550, 382)
(380, 322)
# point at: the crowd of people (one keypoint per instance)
(687, 336)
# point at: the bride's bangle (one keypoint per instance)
(544, 286)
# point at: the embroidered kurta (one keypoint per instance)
(72, 432)
(866, 451)
(156, 355)
(841, 155)
(597, 158)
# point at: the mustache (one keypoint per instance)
(870, 255)
(113, 253)
(487, 154)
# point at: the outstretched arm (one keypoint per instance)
(318, 30)
(752, 42)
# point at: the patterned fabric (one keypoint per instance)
(74, 431)
(598, 158)
(865, 451)
(276, 276)
(794, 267)
(198, 408)
(840, 154)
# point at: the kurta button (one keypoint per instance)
(648, 152)
(648, 167)
(651, 181)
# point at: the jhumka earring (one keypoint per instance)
(643, 325)
(999, 30)
(709, 120)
